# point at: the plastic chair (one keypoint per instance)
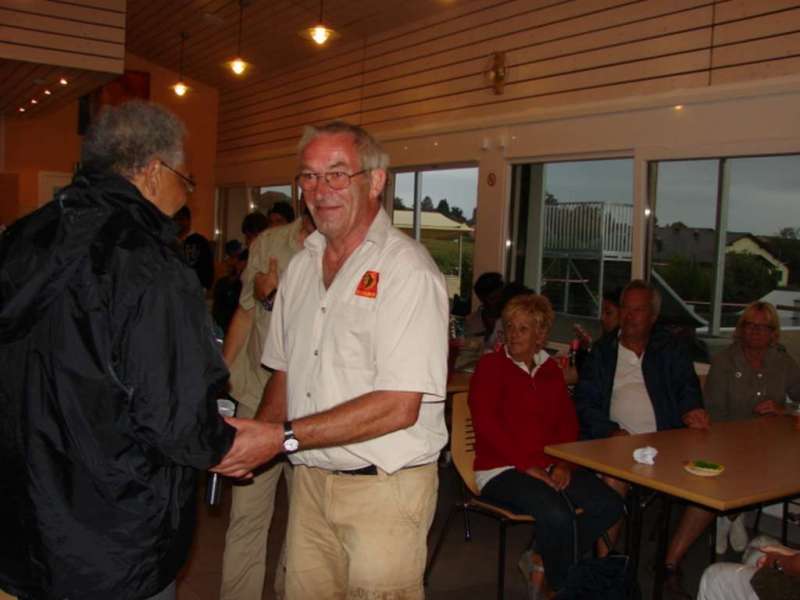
(462, 444)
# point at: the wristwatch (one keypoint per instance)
(290, 443)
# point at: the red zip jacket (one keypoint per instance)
(515, 415)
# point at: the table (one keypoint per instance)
(760, 456)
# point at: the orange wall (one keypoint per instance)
(9, 190)
(49, 142)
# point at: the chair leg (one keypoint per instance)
(501, 562)
(438, 546)
(785, 523)
(467, 528)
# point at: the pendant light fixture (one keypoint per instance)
(180, 88)
(319, 33)
(238, 65)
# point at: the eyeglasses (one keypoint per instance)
(336, 180)
(759, 327)
(187, 181)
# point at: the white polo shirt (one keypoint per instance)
(631, 407)
(382, 325)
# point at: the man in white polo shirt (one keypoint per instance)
(358, 345)
(638, 380)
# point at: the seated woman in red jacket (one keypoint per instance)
(520, 404)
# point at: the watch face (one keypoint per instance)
(291, 445)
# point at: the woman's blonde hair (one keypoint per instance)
(765, 308)
(535, 305)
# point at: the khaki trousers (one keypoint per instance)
(359, 536)
(244, 562)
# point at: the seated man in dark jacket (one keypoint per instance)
(640, 380)
(110, 375)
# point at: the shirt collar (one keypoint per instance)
(377, 234)
(538, 360)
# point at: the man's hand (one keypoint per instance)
(697, 419)
(781, 557)
(266, 283)
(561, 475)
(768, 407)
(255, 443)
(542, 475)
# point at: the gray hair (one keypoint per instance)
(124, 138)
(370, 153)
(641, 284)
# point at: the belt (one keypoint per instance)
(368, 470)
(372, 470)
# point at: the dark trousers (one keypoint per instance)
(602, 507)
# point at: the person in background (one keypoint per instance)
(228, 287)
(480, 322)
(110, 374)
(609, 322)
(642, 381)
(358, 344)
(196, 248)
(252, 225)
(496, 339)
(753, 376)
(520, 404)
(281, 213)
(253, 503)
(769, 571)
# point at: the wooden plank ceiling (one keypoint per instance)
(270, 42)
(270, 31)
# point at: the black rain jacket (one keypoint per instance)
(107, 397)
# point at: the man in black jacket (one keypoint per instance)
(638, 380)
(110, 374)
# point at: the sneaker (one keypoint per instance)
(673, 585)
(723, 528)
(530, 564)
(738, 534)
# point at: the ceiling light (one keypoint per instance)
(21, 109)
(34, 101)
(63, 81)
(319, 33)
(47, 92)
(238, 65)
(180, 88)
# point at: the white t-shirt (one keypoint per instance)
(381, 325)
(631, 407)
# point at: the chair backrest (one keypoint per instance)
(462, 441)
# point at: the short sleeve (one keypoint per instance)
(274, 355)
(411, 342)
(255, 264)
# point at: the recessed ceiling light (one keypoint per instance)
(47, 92)
(21, 109)
(34, 101)
(63, 81)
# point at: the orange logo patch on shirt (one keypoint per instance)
(368, 286)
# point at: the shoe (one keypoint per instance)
(673, 586)
(738, 534)
(723, 529)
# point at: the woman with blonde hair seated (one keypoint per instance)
(520, 404)
(753, 376)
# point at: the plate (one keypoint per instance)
(692, 468)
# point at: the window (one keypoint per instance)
(571, 232)
(727, 233)
(265, 197)
(438, 207)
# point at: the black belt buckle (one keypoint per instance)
(368, 470)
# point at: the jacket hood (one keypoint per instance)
(40, 252)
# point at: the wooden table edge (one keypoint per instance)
(712, 503)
